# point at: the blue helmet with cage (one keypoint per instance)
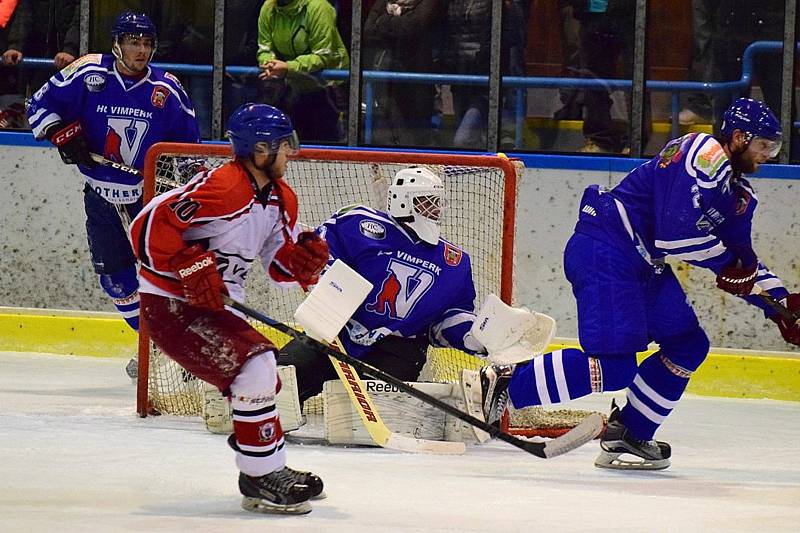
(260, 127)
(135, 24)
(754, 120)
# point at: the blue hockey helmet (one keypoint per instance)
(756, 121)
(260, 127)
(136, 24)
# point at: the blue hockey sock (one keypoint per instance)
(554, 377)
(123, 289)
(653, 394)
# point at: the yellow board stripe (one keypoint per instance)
(731, 374)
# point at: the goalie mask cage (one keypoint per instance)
(482, 196)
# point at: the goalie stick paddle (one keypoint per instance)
(588, 429)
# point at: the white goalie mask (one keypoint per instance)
(417, 199)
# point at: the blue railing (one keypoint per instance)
(519, 83)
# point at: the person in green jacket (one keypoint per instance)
(296, 40)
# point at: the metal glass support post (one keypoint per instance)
(218, 74)
(85, 20)
(354, 100)
(638, 80)
(787, 80)
(493, 123)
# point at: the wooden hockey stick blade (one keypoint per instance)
(102, 161)
(377, 429)
(584, 432)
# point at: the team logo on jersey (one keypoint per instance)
(452, 255)
(159, 96)
(743, 198)
(124, 138)
(670, 154)
(401, 290)
(95, 82)
(372, 229)
(40, 93)
(266, 432)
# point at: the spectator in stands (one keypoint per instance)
(241, 46)
(607, 32)
(399, 37)
(296, 40)
(466, 51)
(7, 8)
(738, 25)
(57, 38)
(571, 99)
(512, 63)
(698, 106)
(38, 29)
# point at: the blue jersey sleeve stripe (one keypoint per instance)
(39, 129)
(691, 169)
(77, 74)
(703, 254)
(684, 243)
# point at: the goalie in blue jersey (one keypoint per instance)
(422, 295)
(114, 106)
(693, 203)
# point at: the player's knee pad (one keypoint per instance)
(616, 371)
(257, 379)
(687, 351)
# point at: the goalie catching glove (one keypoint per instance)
(307, 257)
(790, 330)
(201, 281)
(71, 143)
(511, 334)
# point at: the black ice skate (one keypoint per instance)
(486, 394)
(277, 492)
(312, 481)
(616, 443)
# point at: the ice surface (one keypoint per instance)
(74, 457)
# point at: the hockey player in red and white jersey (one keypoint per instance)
(198, 241)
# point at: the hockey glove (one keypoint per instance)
(71, 144)
(202, 283)
(308, 257)
(790, 330)
(737, 279)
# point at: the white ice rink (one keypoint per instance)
(74, 457)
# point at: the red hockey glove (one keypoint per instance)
(790, 329)
(308, 257)
(736, 279)
(202, 283)
(71, 144)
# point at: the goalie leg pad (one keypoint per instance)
(256, 423)
(402, 413)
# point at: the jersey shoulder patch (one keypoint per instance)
(88, 59)
(710, 156)
(174, 79)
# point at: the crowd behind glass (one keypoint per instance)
(295, 49)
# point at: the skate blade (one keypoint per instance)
(257, 505)
(473, 400)
(615, 461)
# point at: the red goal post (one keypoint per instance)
(482, 193)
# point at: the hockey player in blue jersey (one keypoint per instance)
(690, 202)
(422, 295)
(115, 106)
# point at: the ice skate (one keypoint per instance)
(274, 493)
(618, 447)
(486, 394)
(314, 483)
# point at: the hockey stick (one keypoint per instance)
(103, 162)
(584, 432)
(778, 307)
(371, 419)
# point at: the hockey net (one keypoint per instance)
(482, 196)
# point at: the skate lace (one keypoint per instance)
(280, 481)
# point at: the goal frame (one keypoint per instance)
(344, 154)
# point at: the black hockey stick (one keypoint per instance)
(782, 310)
(103, 162)
(588, 429)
